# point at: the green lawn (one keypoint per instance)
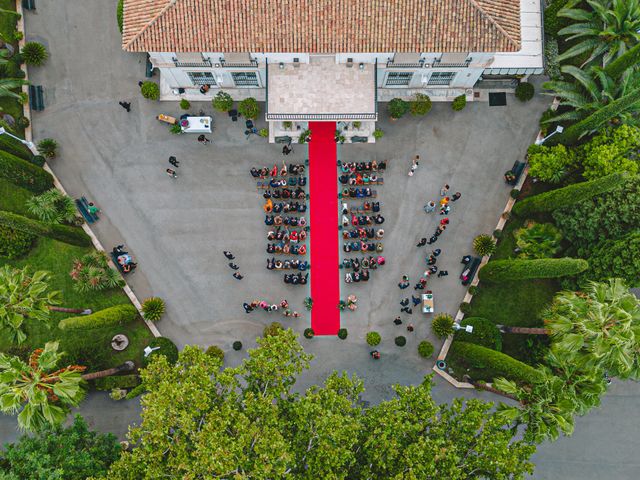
(13, 198)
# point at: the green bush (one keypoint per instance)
(222, 102)
(23, 122)
(14, 147)
(153, 308)
(215, 352)
(167, 348)
(116, 381)
(613, 150)
(48, 147)
(484, 245)
(465, 307)
(96, 356)
(400, 341)
(136, 392)
(525, 91)
(24, 174)
(538, 240)
(264, 133)
(185, 104)
(473, 289)
(442, 325)
(484, 333)
(425, 349)
(459, 103)
(52, 207)
(552, 22)
(63, 233)
(342, 333)
(118, 315)
(34, 53)
(373, 339)
(176, 129)
(38, 160)
(378, 134)
(509, 270)
(578, 192)
(619, 258)
(491, 364)
(92, 272)
(120, 14)
(308, 333)
(552, 65)
(397, 108)
(237, 345)
(274, 328)
(420, 105)
(71, 235)
(497, 233)
(14, 243)
(249, 108)
(514, 193)
(550, 164)
(150, 90)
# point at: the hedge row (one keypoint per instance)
(116, 381)
(14, 147)
(577, 192)
(485, 333)
(63, 233)
(118, 315)
(493, 364)
(509, 270)
(23, 173)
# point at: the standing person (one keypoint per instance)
(286, 150)
(375, 354)
(430, 207)
(455, 196)
(422, 242)
(444, 190)
(171, 173)
(140, 83)
(247, 308)
(414, 165)
(126, 106)
(174, 162)
(397, 321)
(237, 276)
(203, 140)
(410, 327)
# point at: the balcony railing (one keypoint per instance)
(392, 64)
(439, 64)
(322, 116)
(250, 64)
(204, 63)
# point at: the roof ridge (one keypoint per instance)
(494, 22)
(161, 12)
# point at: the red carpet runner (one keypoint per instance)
(323, 212)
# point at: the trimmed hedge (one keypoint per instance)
(23, 173)
(116, 381)
(167, 348)
(577, 192)
(425, 349)
(14, 243)
(118, 315)
(62, 233)
(136, 391)
(493, 364)
(485, 333)
(14, 147)
(508, 270)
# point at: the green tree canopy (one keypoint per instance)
(246, 422)
(57, 453)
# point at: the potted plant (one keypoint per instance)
(222, 102)
(378, 134)
(185, 104)
(397, 108)
(150, 90)
(356, 125)
(249, 108)
(459, 103)
(287, 125)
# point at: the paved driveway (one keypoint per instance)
(177, 229)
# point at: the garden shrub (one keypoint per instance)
(514, 193)
(509, 270)
(552, 65)
(116, 381)
(237, 345)
(153, 308)
(34, 53)
(397, 108)
(607, 216)
(497, 233)
(373, 339)
(117, 315)
(459, 103)
(525, 91)
(473, 289)
(274, 328)
(23, 122)
(38, 160)
(14, 243)
(400, 341)
(613, 150)
(71, 235)
(92, 272)
(52, 207)
(619, 258)
(63, 233)
(48, 147)
(342, 333)
(420, 105)
(222, 102)
(249, 108)
(538, 240)
(308, 333)
(80, 352)
(425, 349)
(215, 352)
(442, 325)
(578, 192)
(484, 333)
(185, 104)
(550, 164)
(150, 90)
(484, 245)
(167, 348)
(378, 134)
(24, 174)
(120, 14)
(264, 133)
(465, 307)
(176, 129)
(136, 391)
(493, 364)
(14, 147)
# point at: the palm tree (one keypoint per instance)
(597, 328)
(606, 30)
(24, 296)
(125, 367)
(42, 393)
(8, 85)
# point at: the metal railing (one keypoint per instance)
(250, 64)
(204, 63)
(322, 116)
(392, 64)
(439, 64)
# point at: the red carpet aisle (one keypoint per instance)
(323, 213)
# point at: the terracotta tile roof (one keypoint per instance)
(317, 26)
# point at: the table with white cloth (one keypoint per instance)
(196, 124)
(427, 303)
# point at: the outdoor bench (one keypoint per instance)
(29, 4)
(517, 169)
(36, 97)
(83, 206)
(469, 271)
